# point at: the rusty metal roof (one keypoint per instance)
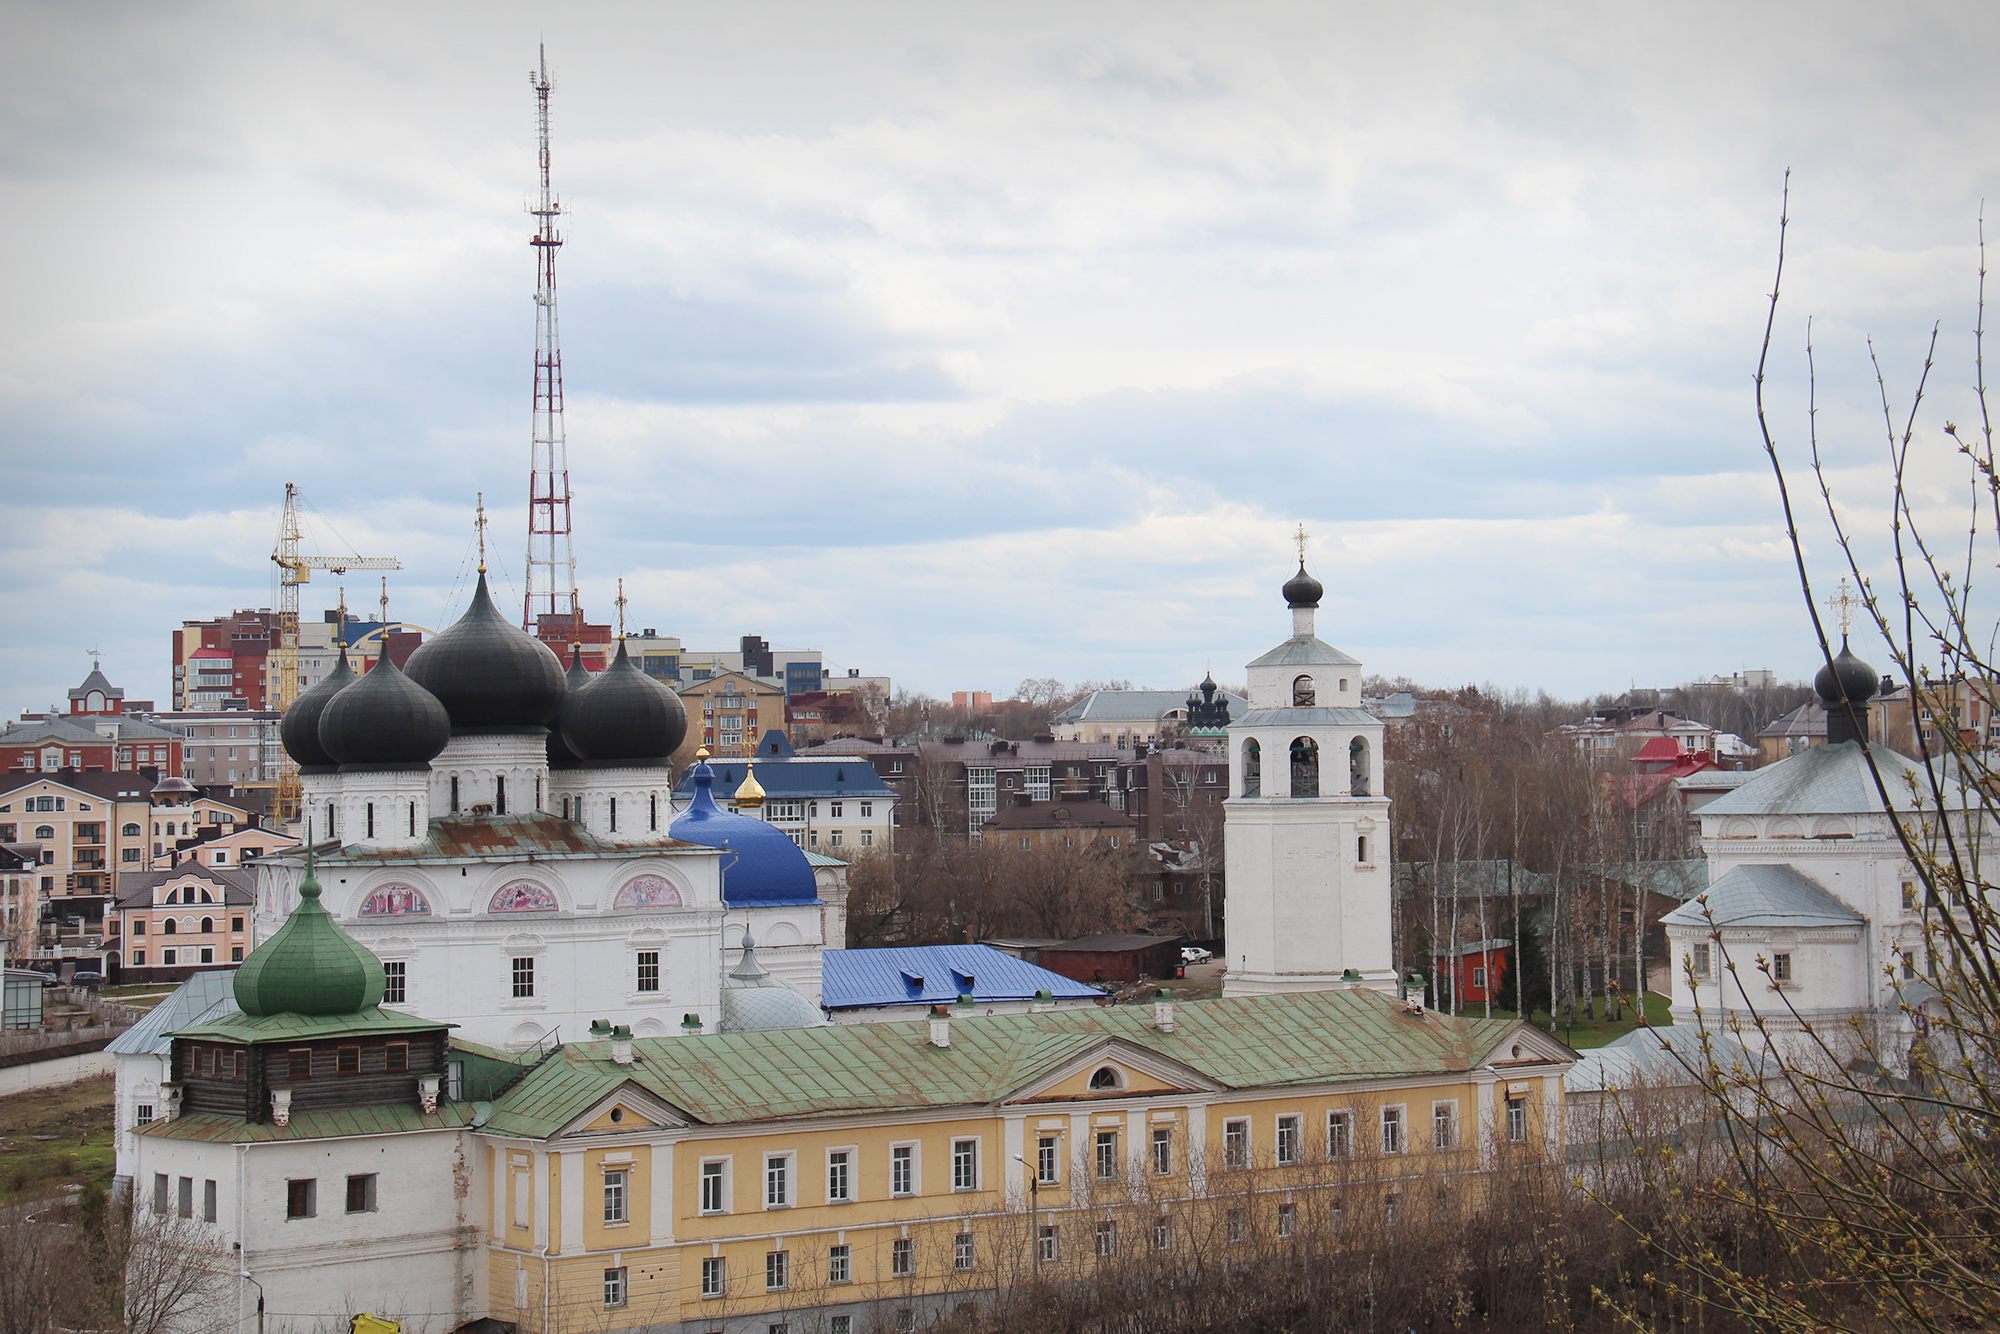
(503, 838)
(1240, 1043)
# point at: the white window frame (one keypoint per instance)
(1107, 1238)
(1340, 1133)
(1288, 1219)
(1444, 1125)
(1517, 1119)
(703, 1176)
(617, 1287)
(1236, 1155)
(1048, 1158)
(1104, 1152)
(967, 1179)
(1394, 1122)
(780, 1170)
(714, 1276)
(1290, 1139)
(1162, 1140)
(777, 1270)
(913, 1178)
(902, 1257)
(840, 1263)
(617, 1196)
(964, 1252)
(850, 1154)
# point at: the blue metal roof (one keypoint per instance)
(767, 869)
(935, 975)
(787, 779)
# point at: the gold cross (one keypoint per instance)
(1300, 538)
(620, 601)
(1844, 602)
(480, 524)
(385, 610)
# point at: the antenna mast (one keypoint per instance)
(551, 576)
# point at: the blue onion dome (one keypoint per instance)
(490, 675)
(765, 867)
(578, 676)
(1302, 590)
(384, 721)
(623, 717)
(299, 729)
(310, 966)
(1847, 679)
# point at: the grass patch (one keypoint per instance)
(1588, 1033)
(51, 1138)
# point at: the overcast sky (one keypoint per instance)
(974, 342)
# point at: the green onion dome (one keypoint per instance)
(310, 966)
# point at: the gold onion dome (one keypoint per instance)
(310, 966)
(750, 792)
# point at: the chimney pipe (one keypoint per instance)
(1163, 1011)
(621, 1045)
(427, 1092)
(940, 1026)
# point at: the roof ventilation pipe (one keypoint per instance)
(940, 1026)
(621, 1045)
(1163, 1011)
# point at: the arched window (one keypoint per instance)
(169, 927)
(131, 830)
(208, 926)
(500, 794)
(454, 794)
(1253, 768)
(1106, 1078)
(1305, 767)
(206, 897)
(45, 831)
(1357, 768)
(1303, 694)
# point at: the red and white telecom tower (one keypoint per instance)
(551, 578)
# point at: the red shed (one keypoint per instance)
(1479, 971)
(1113, 958)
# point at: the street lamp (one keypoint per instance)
(245, 1275)
(1034, 1215)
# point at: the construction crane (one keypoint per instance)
(293, 571)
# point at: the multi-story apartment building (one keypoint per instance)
(101, 733)
(827, 802)
(83, 827)
(225, 664)
(171, 923)
(729, 710)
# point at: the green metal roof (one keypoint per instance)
(310, 966)
(373, 1022)
(334, 1123)
(1244, 1042)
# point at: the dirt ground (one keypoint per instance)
(51, 1138)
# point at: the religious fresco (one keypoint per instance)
(522, 896)
(395, 901)
(648, 891)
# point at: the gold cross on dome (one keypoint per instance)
(620, 600)
(1300, 538)
(480, 524)
(1844, 603)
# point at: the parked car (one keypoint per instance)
(49, 979)
(86, 977)
(1194, 954)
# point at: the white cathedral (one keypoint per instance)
(501, 837)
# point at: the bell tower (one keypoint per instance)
(1306, 824)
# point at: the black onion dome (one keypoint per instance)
(1302, 590)
(1847, 679)
(384, 721)
(299, 729)
(578, 676)
(623, 716)
(490, 675)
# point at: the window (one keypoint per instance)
(777, 1180)
(965, 1164)
(1107, 1155)
(1392, 1130)
(128, 854)
(867, 838)
(361, 1194)
(1698, 957)
(395, 981)
(649, 970)
(1107, 1238)
(902, 1257)
(614, 1286)
(1909, 964)
(236, 954)
(1288, 1220)
(170, 927)
(138, 958)
(143, 1114)
(1290, 1141)
(777, 1270)
(1444, 1125)
(347, 1061)
(1392, 1209)
(139, 927)
(1045, 1160)
(298, 1063)
(833, 838)
(396, 1057)
(161, 1186)
(1050, 1248)
(840, 1324)
(1163, 1150)
(1236, 1144)
(838, 1182)
(840, 1264)
(186, 1209)
(867, 810)
(902, 1169)
(962, 1254)
(833, 810)
(712, 1276)
(1163, 1233)
(207, 954)
(301, 1198)
(1910, 896)
(1479, 978)
(614, 1198)
(1517, 1119)
(1361, 849)
(711, 1188)
(1237, 1225)
(208, 1210)
(524, 977)
(1340, 1134)
(1781, 968)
